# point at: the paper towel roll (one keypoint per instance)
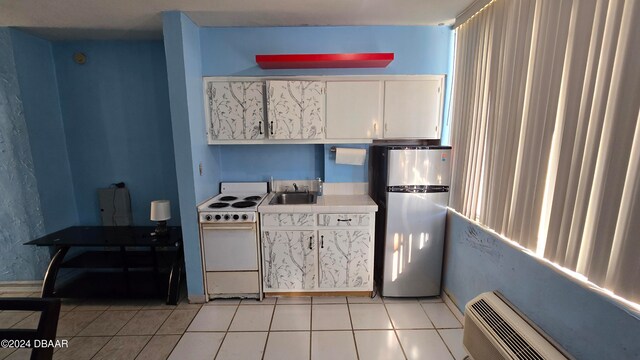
(350, 156)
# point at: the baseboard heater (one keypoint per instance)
(494, 330)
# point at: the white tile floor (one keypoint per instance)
(330, 328)
(317, 328)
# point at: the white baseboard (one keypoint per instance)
(20, 286)
(197, 299)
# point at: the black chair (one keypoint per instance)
(47, 326)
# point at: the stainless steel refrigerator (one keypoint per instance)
(411, 186)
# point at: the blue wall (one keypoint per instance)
(344, 173)
(182, 48)
(418, 49)
(21, 217)
(117, 122)
(259, 162)
(293, 162)
(231, 52)
(39, 89)
(587, 324)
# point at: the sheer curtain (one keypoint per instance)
(545, 132)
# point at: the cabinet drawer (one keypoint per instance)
(344, 220)
(237, 282)
(288, 219)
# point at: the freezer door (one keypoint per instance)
(419, 167)
(414, 241)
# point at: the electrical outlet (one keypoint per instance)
(200, 168)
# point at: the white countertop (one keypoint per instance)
(326, 203)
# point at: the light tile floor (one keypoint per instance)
(278, 328)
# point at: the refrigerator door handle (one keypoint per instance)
(418, 189)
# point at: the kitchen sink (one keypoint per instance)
(293, 198)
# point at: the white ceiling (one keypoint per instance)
(141, 19)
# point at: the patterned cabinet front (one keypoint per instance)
(344, 220)
(235, 110)
(289, 260)
(344, 258)
(296, 109)
(288, 219)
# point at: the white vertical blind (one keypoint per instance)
(570, 129)
(545, 132)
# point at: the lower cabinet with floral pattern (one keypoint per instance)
(318, 255)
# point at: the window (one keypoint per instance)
(546, 132)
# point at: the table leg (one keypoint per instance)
(175, 276)
(125, 270)
(48, 285)
(156, 274)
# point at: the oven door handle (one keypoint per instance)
(223, 227)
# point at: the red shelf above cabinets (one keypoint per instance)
(323, 61)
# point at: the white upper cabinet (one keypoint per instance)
(234, 110)
(412, 109)
(296, 109)
(354, 109)
(318, 109)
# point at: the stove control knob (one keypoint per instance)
(236, 217)
(245, 217)
(207, 217)
(218, 217)
(226, 217)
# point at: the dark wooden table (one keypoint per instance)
(128, 241)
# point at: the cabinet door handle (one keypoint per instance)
(310, 242)
(347, 220)
(260, 126)
(271, 128)
(322, 241)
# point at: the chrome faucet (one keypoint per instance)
(295, 187)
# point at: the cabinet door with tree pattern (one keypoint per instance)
(296, 109)
(235, 110)
(344, 258)
(289, 259)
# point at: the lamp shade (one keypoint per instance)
(160, 210)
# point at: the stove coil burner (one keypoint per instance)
(244, 204)
(218, 205)
(253, 198)
(228, 198)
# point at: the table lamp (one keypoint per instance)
(161, 212)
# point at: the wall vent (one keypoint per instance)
(493, 330)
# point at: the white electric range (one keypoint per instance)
(230, 241)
